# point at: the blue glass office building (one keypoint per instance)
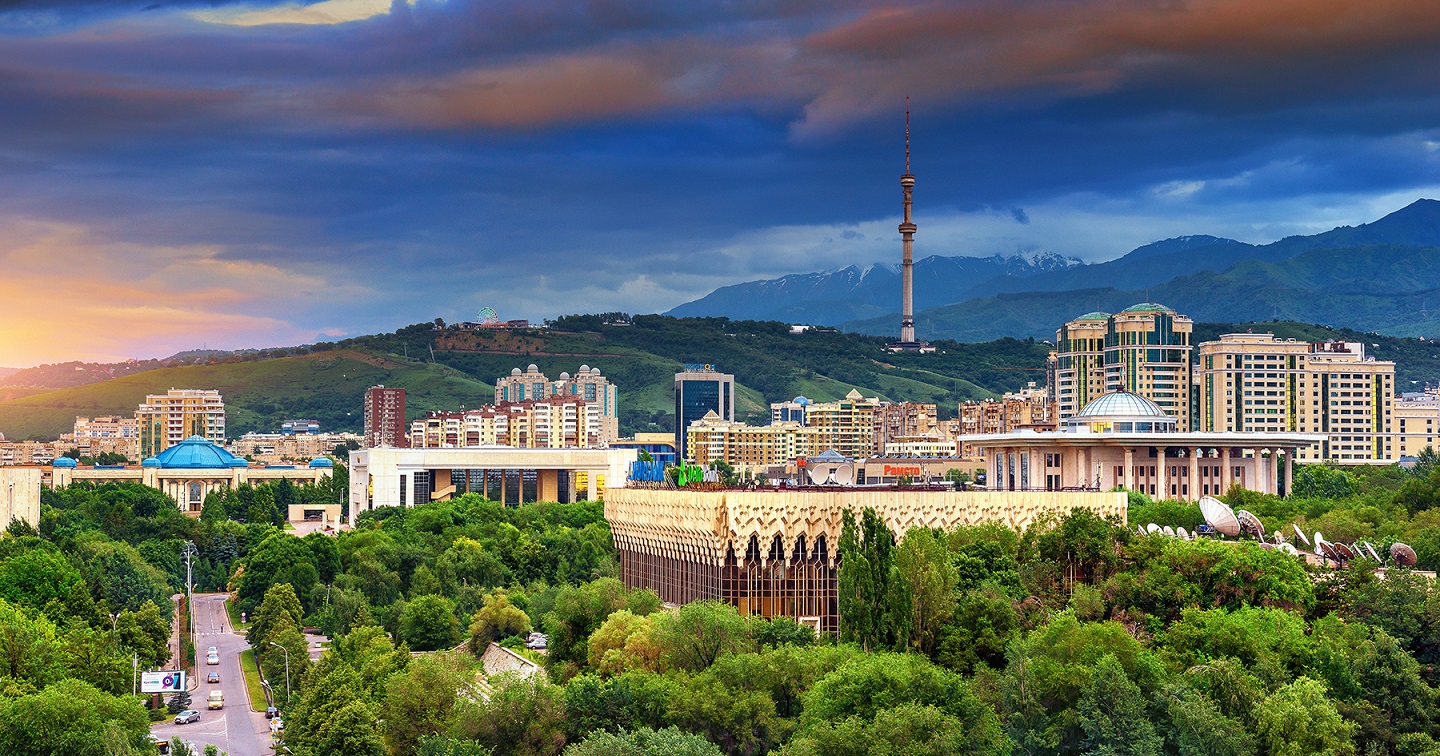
(700, 389)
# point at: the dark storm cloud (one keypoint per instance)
(553, 155)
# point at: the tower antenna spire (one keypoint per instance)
(907, 133)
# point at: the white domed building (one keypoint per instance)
(1123, 439)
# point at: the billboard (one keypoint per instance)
(162, 682)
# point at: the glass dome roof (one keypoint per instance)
(1097, 315)
(1147, 307)
(1121, 404)
(195, 453)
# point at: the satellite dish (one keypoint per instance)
(1403, 555)
(1140, 530)
(1369, 547)
(1250, 524)
(1181, 532)
(1219, 516)
(1289, 549)
(1267, 546)
(1169, 531)
(819, 474)
(1317, 539)
(1153, 528)
(843, 475)
(1300, 534)
(1278, 537)
(1345, 552)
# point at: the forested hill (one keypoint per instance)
(445, 367)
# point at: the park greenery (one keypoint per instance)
(1072, 636)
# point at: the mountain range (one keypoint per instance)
(1380, 277)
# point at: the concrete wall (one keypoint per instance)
(20, 495)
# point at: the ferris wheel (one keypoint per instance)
(488, 316)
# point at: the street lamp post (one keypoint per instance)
(286, 651)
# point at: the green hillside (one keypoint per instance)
(769, 363)
(326, 386)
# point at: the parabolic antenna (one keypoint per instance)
(1219, 516)
(1370, 548)
(1278, 537)
(1250, 524)
(1322, 549)
(819, 474)
(1290, 549)
(1301, 535)
(844, 474)
(1169, 531)
(1182, 533)
(1403, 555)
(1140, 530)
(1344, 551)
(1153, 528)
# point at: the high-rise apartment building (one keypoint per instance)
(1417, 422)
(107, 435)
(557, 422)
(385, 417)
(903, 422)
(1144, 349)
(846, 426)
(792, 411)
(1255, 382)
(701, 389)
(589, 384)
(167, 419)
(1029, 408)
(748, 447)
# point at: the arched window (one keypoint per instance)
(197, 494)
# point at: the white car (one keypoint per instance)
(187, 716)
(212, 658)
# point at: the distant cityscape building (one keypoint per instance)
(700, 390)
(165, 420)
(846, 426)
(749, 447)
(1256, 382)
(385, 417)
(280, 448)
(108, 434)
(1029, 408)
(907, 229)
(1144, 349)
(660, 446)
(588, 384)
(1417, 422)
(905, 422)
(292, 427)
(555, 422)
(792, 411)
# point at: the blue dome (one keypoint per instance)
(1122, 404)
(150, 462)
(801, 400)
(321, 462)
(63, 462)
(195, 453)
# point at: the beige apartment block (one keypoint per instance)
(1255, 382)
(1144, 349)
(165, 420)
(901, 421)
(556, 422)
(106, 435)
(749, 447)
(846, 426)
(587, 384)
(1417, 423)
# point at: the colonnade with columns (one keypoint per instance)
(1172, 471)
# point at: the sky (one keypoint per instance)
(177, 174)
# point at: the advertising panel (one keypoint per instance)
(162, 682)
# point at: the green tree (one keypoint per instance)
(625, 642)
(874, 605)
(28, 648)
(695, 635)
(1298, 720)
(579, 610)
(497, 619)
(523, 717)
(421, 700)
(146, 633)
(72, 718)
(1198, 728)
(37, 576)
(923, 564)
(643, 742)
(279, 611)
(1112, 713)
(423, 582)
(280, 558)
(429, 623)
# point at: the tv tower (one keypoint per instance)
(907, 341)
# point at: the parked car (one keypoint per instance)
(271, 712)
(213, 678)
(216, 699)
(187, 716)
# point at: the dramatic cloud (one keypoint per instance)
(352, 165)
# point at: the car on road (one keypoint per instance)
(271, 712)
(212, 658)
(216, 700)
(213, 678)
(161, 744)
(187, 716)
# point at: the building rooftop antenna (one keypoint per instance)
(907, 133)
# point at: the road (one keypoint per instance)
(235, 729)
